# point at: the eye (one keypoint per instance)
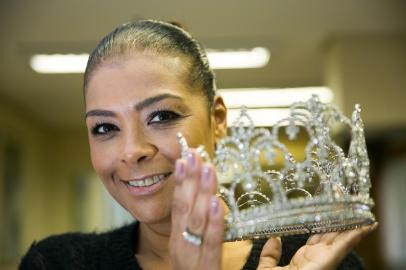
(160, 117)
(103, 129)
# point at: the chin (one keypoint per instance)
(151, 218)
(150, 211)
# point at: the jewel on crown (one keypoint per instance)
(327, 191)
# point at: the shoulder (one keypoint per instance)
(74, 250)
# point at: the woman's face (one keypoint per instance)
(135, 106)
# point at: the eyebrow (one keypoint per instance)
(99, 113)
(138, 107)
(152, 100)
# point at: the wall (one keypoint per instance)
(369, 70)
(50, 163)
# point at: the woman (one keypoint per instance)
(145, 82)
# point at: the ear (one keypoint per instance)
(219, 118)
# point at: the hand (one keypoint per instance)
(322, 251)
(196, 208)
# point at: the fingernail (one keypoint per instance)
(373, 227)
(214, 205)
(205, 173)
(191, 159)
(180, 168)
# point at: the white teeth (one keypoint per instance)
(147, 181)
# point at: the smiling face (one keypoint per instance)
(135, 106)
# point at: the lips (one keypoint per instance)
(148, 181)
(146, 185)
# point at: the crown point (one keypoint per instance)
(328, 191)
(292, 130)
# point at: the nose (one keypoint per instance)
(137, 148)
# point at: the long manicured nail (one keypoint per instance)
(191, 158)
(206, 173)
(214, 205)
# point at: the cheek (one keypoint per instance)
(197, 136)
(167, 144)
(103, 159)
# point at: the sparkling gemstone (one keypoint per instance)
(339, 184)
(249, 185)
(292, 130)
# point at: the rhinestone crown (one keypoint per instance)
(327, 191)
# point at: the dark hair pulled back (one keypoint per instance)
(160, 38)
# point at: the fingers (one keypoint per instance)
(339, 244)
(314, 239)
(191, 181)
(347, 240)
(271, 253)
(198, 216)
(187, 177)
(196, 210)
(328, 238)
(213, 237)
(327, 250)
(180, 207)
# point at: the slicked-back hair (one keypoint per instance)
(160, 38)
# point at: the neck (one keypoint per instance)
(154, 240)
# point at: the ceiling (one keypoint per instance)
(296, 32)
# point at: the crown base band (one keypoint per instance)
(331, 217)
(303, 229)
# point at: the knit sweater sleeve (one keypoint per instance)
(105, 251)
(55, 252)
(34, 259)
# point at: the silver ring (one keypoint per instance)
(192, 238)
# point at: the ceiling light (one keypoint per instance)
(76, 63)
(266, 98)
(59, 63)
(260, 117)
(231, 59)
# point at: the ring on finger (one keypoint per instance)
(192, 238)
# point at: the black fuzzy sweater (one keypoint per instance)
(115, 250)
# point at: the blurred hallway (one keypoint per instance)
(47, 185)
